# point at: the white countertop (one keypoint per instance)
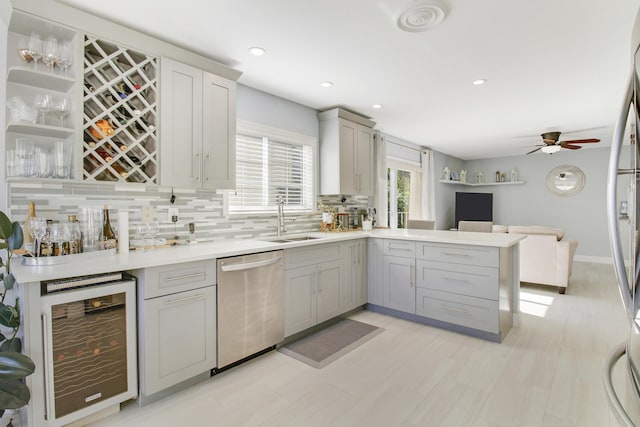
(97, 263)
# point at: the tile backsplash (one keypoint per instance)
(204, 208)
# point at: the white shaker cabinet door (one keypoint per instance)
(179, 338)
(299, 299)
(399, 284)
(332, 285)
(181, 125)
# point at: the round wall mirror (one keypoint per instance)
(565, 180)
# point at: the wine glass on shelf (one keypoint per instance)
(50, 52)
(35, 48)
(154, 229)
(43, 103)
(65, 57)
(61, 107)
(38, 226)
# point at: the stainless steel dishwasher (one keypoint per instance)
(250, 305)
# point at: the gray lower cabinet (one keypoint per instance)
(399, 284)
(462, 285)
(177, 324)
(322, 282)
(399, 278)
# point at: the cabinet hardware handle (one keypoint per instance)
(455, 279)
(207, 171)
(454, 254)
(458, 310)
(185, 299)
(411, 273)
(199, 167)
(249, 265)
(47, 356)
(185, 276)
(392, 248)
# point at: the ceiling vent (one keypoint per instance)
(418, 16)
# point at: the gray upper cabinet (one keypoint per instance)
(197, 148)
(346, 147)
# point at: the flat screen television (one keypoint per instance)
(474, 207)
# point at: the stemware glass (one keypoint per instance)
(154, 229)
(50, 52)
(61, 107)
(38, 226)
(65, 58)
(59, 232)
(35, 48)
(44, 104)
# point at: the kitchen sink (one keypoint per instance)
(289, 239)
(299, 238)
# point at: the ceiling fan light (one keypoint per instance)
(550, 149)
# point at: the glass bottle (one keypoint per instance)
(108, 236)
(26, 228)
(75, 241)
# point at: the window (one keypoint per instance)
(272, 163)
(403, 185)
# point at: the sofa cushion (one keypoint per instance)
(536, 229)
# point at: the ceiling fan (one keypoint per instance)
(552, 145)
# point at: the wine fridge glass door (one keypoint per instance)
(90, 349)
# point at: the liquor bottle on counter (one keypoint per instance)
(26, 228)
(75, 241)
(108, 236)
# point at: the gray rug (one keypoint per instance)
(329, 344)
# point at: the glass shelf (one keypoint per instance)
(45, 80)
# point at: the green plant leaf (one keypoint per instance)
(16, 238)
(15, 366)
(8, 316)
(9, 281)
(14, 394)
(12, 344)
(6, 228)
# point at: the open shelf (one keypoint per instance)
(472, 184)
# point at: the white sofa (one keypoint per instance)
(544, 256)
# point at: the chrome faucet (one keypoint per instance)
(280, 221)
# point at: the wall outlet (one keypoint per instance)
(173, 212)
(147, 214)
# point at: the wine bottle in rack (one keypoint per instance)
(104, 154)
(120, 144)
(89, 87)
(119, 169)
(105, 129)
(135, 160)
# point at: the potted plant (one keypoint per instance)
(14, 366)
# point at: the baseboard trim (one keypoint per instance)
(594, 259)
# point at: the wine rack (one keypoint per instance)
(120, 114)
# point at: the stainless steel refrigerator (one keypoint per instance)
(623, 391)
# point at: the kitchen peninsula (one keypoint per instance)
(462, 281)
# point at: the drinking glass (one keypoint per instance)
(38, 226)
(43, 163)
(11, 163)
(50, 53)
(58, 235)
(25, 156)
(91, 227)
(154, 228)
(61, 160)
(43, 103)
(66, 56)
(61, 107)
(35, 48)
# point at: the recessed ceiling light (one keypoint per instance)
(256, 51)
(376, 106)
(479, 82)
(326, 84)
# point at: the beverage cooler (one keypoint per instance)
(89, 334)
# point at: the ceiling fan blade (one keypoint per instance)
(580, 141)
(571, 147)
(533, 151)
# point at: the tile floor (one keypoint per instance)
(547, 372)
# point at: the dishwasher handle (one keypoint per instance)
(250, 265)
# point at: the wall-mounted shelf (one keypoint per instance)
(472, 184)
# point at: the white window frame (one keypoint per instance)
(394, 164)
(259, 130)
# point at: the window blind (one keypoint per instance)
(267, 168)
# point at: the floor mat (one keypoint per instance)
(329, 344)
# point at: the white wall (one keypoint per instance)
(5, 15)
(260, 107)
(583, 217)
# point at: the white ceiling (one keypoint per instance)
(549, 64)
